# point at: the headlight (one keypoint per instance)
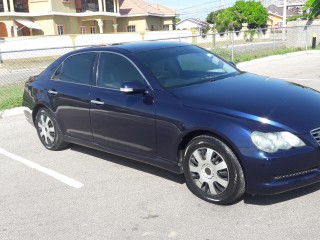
(272, 142)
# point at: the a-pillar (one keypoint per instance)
(11, 6)
(100, 24)
(5, 6)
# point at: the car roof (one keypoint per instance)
(136, 47)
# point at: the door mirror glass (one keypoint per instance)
(132, 87)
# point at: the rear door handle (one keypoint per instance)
(97, 102)
(52, 92)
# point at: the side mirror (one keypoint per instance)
(132, 87)
(232, 64)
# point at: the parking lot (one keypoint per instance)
(80, 193)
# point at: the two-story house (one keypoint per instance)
(57, 17)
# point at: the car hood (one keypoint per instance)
(270, 101)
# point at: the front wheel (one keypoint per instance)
(48, 130)
(212, 171)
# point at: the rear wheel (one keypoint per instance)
(48, 130)
(212, 171)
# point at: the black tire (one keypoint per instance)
(49, 131)
(212, 171)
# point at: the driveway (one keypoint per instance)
(81, 193)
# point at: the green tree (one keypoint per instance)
(314, 6)
(226, 20)
(211, 18)
(178, 19)
(250, 12)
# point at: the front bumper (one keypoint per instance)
(280, 172)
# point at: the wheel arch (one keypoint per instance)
(195, 133)
(36, 110)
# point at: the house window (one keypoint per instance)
(166, 27)
(131, 28)
(110, 5)
(92, 29)
(60, 29)
(82, 29)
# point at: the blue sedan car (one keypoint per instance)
(179, 107)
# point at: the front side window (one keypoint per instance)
(114, 70)
(76, 69)
(185, 66)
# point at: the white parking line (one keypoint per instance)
(69, 181)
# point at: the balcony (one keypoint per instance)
(18, 6)
(93, 5)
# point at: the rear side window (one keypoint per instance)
(76, 69)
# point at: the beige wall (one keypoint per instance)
(139, 22)
(60, 6)
(39, 6)
(170, 22)
(88, 24)
(156, 22)
(71, 24)
(47, 25)
(144, 23)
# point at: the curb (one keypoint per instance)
(11, 112)
(277, 57)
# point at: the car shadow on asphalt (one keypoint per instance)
(282, 197)
(247, 199)
(177, 178)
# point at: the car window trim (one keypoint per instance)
(136, 67)
(61, 64)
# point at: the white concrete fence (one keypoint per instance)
(40, 46)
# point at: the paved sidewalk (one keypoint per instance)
(299, 67)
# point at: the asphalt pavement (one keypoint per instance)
(79, 193)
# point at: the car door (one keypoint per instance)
(123, 122)
(68, 92)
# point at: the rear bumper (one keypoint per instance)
(281, 172)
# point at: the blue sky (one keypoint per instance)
(192, 8)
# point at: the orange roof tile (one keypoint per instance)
(140, 7)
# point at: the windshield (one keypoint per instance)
(185, 66)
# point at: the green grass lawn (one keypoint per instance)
(10, 96)
(250, 55)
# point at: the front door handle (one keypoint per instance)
(52, 92)
(97, 102)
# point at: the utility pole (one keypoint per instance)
(284, 20)
(221, 4)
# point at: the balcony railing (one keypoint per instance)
(84, 6)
